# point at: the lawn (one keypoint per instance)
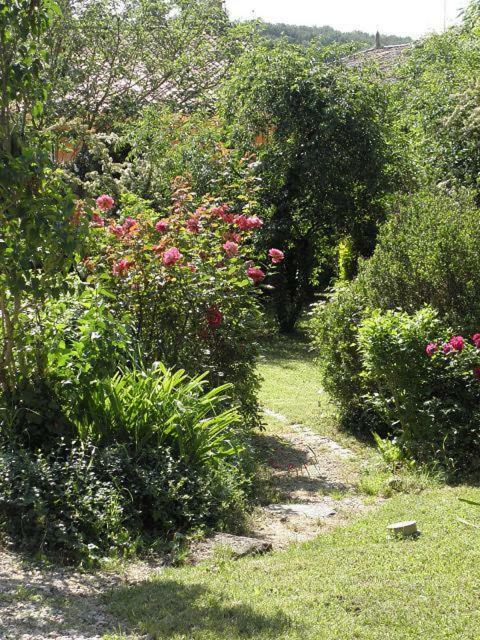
(351, 583)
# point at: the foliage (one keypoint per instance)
(110, 59)
(81, 503)
(165, 144)
(428, 395)
(187, 281)
(428, 253)
(318, 130)
(299, 34)
(40, 229)
(437, 105)
(145, 409)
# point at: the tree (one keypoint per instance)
(437, 99)
(110, 58)
(319, 132)
(38, 233)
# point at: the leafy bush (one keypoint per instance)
(426, 384)
(319, 132)
(428, 253)
(157, 408)
(187, 280)
(334, 329)
(80, 502)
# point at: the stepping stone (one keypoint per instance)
(320, 510)
(240, 546)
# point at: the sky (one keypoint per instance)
(399, 17)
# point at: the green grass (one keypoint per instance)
(351, 583)
(291, 384)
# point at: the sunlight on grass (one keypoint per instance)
(351, 583)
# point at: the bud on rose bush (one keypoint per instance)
(190, 280)
(423, 380)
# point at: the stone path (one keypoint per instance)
(315, 482)
(315, 479)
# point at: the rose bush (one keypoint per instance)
(424, 384)
(188, 279)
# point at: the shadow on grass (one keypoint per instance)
(279, 453)
(279, 349)
(167, 609)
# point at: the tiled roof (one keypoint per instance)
(385, 57)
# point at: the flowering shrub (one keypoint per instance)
(188, 278)
(426, 387)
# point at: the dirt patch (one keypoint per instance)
(58, 604)
(311, 470)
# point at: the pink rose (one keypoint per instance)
(121, 267)
(117, 230)
(129, 223)
(97, 220)
(214, 317)
(276, 255)
(254, 222)
(255, 274)
(431, 348)
(476, 340)
(105, 203)
(220, 211)
(161, 226)
(457, 343)
(171, 257)
(447, 348)
(193, 225)
(246, 224)
(230, 248)
(242, 223)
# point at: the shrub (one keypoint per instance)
(80, 503)
(187, 278)
(425, 383)
(334, 330)
(156, 408)
(428, 253)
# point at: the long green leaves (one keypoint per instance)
(159, 407)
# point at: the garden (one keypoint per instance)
(238, 278)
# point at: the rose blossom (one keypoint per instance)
(214, 317)
(161, 226)
(117, 230)
(276, 255)
(246, 224)
(230, 248)
(254, 222)
(121, 267)
(105, 203)
(447, 348)
(193, 225)
(255, 274)
(476, 340)
(220, 211)
(431, 348)
(171, 257)
(97, 220)
(457, 343)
